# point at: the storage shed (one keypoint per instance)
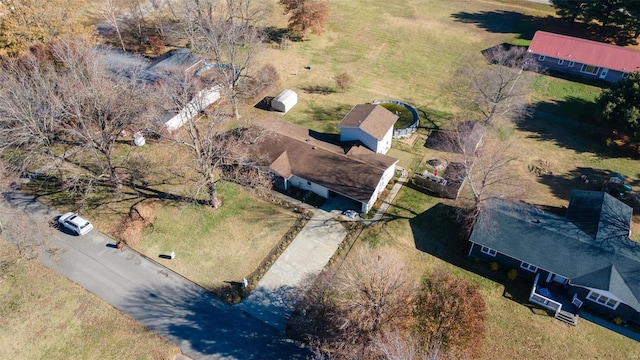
(286, 100)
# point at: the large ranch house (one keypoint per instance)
(585, 58)
(312, 161)
(584, 259)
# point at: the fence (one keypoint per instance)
(409, 130)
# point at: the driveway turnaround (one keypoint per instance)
(166, 303)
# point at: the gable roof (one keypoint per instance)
(594, 256)
(585, 51)
(373, 119)
(290, 149)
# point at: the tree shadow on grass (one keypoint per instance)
(579, 178)
(318, 89)
(276, 34)
(436, 232)
(431, 119)
(552, 122)
(506, 22)
(328, 117)
(204, 327)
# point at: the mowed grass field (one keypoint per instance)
(214, 246)
(409, 51)
(45, 316)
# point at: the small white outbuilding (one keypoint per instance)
(284, 101)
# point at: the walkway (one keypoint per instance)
(166, 303)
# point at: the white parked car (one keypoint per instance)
(75, 223)
(351, 214)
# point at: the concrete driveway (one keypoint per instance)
(272, 299)
(168, 304)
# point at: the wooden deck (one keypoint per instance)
(551, 296)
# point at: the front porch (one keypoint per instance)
(551, 296)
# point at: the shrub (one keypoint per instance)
(343, 81)
(495, 266)
(618, 320)
(512, 274)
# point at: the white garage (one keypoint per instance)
(286, 100)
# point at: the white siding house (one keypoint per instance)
(301, 160)
(370, 124)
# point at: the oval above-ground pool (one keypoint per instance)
(408, 119)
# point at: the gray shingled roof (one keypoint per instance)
(590, 246)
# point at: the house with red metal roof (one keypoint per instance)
(583, 57)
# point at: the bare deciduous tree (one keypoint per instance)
(135, 19)
(30, 113)
(371, 309)
(345, 312)
(265, 78)
(111, 13)
(219, 148)
(98, 104)
(498, 90)
(485, 165)
(227, 33)
(67, 96)
(306, 15)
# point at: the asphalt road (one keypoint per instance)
(166, 303)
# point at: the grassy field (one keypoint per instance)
(214, 246)
(408, 51)
(421, 230)
(45, 316)
(410, 54)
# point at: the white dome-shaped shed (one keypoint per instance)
(284, 101)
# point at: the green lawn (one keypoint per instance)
(409, 51)
(419, 227)
(406, 51)
(214, 246)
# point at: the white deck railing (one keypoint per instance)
(542, 300)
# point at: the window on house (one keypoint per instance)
(571, 63)
(489, 251)
(560, 62)
(588, 69)
(541, 57)
(528, 266)
(603, 300)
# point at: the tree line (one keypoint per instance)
(64, 99)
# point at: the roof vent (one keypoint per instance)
(307, 139)
(313, 147)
